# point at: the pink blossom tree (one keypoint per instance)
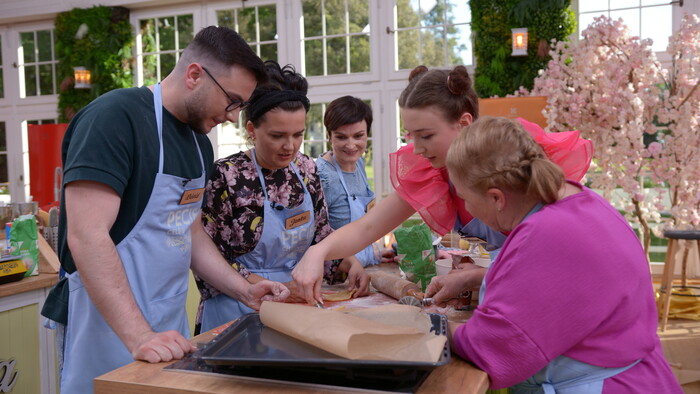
(611, 87)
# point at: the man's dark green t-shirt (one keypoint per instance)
(114, 141)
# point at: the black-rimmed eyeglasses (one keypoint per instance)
(235, 103)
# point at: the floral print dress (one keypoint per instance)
(233, 212)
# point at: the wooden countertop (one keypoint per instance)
(28, 284)
(142, 377)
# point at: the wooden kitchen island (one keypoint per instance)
(142, 377)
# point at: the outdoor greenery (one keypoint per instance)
(497, 72)
(99, 39)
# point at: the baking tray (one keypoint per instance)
(249, 342)
(249, 349)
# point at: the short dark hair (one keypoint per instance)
(221, 46)
(346, 110)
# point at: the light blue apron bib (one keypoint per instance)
(358, 207)
(563, 375)
(156, 258)
(274, 257)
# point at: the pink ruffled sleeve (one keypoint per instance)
(567, 149)
(424, 187)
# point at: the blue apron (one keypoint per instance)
(274, 257)
(563, 375)
(359, 205)
(156, 257)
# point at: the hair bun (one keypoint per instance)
(416, 72)
(458, 81)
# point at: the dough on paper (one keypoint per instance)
(341, 295)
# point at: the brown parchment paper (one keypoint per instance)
(388, 332)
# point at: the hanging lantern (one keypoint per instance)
(82, 78)
(519, 41)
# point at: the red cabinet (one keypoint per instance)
(45, 162)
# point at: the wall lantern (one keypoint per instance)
(519, 41)
(82, 78)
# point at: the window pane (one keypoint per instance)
(617, 4)
(268, 51)
(407, 42)
(185, 30)
(3, 142)
(314, 123)
(433, 13)
(148, 38)
(0, 51)
(2, 85)
(407, 13)
(30, 81)
(167, 63)
(592, 5)
(314, 149)
(267, 17)
(654, 2)
(656, 24)
(150, 67)
(459, 11)
(3, 174)
(312, 18)
(459, 45)
(358, 11)
(335, 50)
(46, 79)
(226, 18)
(432, 47)
(630, 18)
(247, 23)
(314, 57)
(28, 46)
(585, 20)
(166, 33)
(359, 54)
(335, 16)
(43, 38)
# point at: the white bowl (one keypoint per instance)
(443, 266)
(482, 261)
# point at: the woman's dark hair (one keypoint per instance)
(220, 46)
(346, 110)
(285, 89)
(449, 90)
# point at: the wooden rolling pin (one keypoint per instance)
(394, 286)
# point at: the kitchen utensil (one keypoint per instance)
(392, 285)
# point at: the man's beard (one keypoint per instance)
(195, 109)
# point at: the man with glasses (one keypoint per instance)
(135, 164)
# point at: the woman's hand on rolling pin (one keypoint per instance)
(445, 287)
(357, 276)
(308, 274)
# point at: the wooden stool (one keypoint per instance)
(667, 279)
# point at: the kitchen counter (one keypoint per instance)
(28, 284)
(142, 377)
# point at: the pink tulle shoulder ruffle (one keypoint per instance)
(424, 187)
(566, 149)
(427, 189)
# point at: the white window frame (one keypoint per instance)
(15, 111)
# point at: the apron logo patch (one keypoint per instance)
(192, 195)
(297, 220)
(370, 205)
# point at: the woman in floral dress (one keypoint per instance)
(265, 205)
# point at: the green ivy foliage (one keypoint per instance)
(104, 48)
(497, 72)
